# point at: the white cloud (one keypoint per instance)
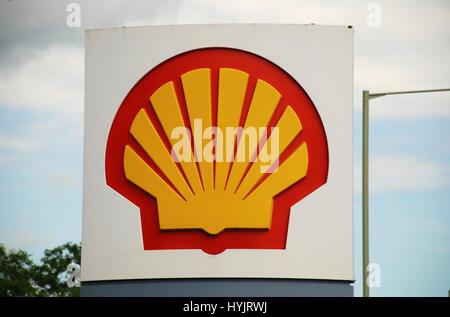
(51, 80)
(58, 179)
(271, 11)
(41, 133)
(445, 148)
(403, 173)
(15, 144)
(23, 239)
(387, 76)
(408, 51)
(7, 159)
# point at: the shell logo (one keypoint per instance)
(216, 204)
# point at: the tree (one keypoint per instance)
(19, 276)
(15, 273)
(50, 274)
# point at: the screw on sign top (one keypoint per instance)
(214, 146)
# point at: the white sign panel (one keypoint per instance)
(218, 151)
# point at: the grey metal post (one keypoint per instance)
(365, 191)
(365, 173)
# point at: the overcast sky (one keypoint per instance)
(41, 119)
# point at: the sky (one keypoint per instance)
(399, 45)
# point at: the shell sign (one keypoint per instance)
(217, 201)
(218, 151)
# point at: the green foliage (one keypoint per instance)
(15, 273)
(50, 274)
(19, 276)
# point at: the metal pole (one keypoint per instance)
(406, 92)
(365, 191)
(365, 174)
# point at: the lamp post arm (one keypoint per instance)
(376, 95)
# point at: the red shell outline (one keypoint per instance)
(258, 68)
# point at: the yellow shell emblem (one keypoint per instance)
(219, 194)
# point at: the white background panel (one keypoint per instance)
(319, 244)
